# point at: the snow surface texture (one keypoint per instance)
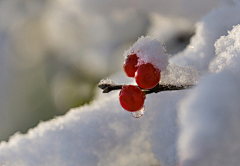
(227, 51)
(149, 50)
(179, 75)
(210, 127)
(100, 134)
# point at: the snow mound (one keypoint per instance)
(209, 115)
(209, 122)
(149, 50)
(201, 49)
(101, 134)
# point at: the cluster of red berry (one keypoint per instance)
(146, 76)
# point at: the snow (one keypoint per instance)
(227, 51)
(100, 134)
(179, 75)
(106, 81)
(199, 126)
(209, 120)
(209, 115)
(208, 30)
(149, 50)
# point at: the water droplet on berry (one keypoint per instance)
(139, 113)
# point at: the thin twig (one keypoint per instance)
(159, 88)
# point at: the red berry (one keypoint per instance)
(131, 98)
(129, 65)
(147, 76)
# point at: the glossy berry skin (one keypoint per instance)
(129, 65)
(147, 76)
(131, 98)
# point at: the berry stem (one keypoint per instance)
(158, 88)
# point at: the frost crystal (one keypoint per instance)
(149, 50)
(107, 81)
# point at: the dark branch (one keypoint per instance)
(109, 87)
(159, 88)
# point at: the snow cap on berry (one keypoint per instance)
(149, 50)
